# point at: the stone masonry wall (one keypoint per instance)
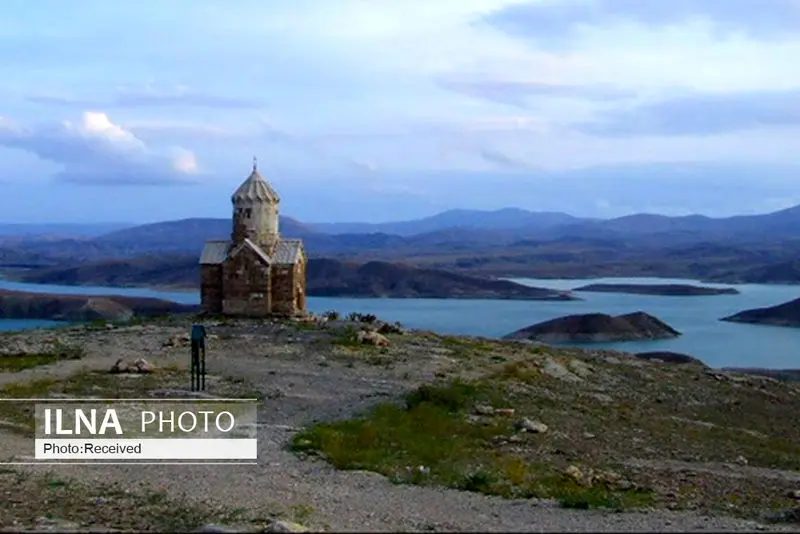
(283, 302)
(300, 287)
(211, 288)
(240, 231)
(246, 285)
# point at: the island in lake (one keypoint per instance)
(786, 314)
(669, 290)
(597, 328)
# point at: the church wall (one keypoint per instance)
(246, 285)
(257, 221)
(300, 289)
(211, 288)
(283, 298)
(239, 226)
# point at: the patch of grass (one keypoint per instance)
(21, 361)
(465, 344)
(304, 325)
(301, 513)
(348, 337)
(432, 441)
(521, 371)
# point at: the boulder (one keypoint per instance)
(140, 366)
(178, 340)
(669, 357)
(372, 338)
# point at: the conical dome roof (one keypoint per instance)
(255, 189)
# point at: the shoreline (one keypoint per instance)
(781, 374)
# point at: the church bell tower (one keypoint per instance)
(255, 211)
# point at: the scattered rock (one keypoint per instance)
(529, 425)
(504, 411)
(217, 529)
(483, 409)
(741, 460)
(716, 376)
(794, 494)
(178, 340)
(56, 525)
(580, 368)
(575, 473)
(664, 356)
(285, 526)
(372, 338)
(557, 370)
(119, 367)
(784, 516)
(140, 366)
(602, 398)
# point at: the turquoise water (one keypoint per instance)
(7, 325)
(715, 342)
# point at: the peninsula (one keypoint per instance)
(81, 308)
(667, 290)
(786, 314)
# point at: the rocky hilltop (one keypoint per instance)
(669, 290)
(595, 328)
(81, 308)
(364, 426)
(786, 314)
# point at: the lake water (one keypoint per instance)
(716, 342)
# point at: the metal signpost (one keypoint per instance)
(198, 364)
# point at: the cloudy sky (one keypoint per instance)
(393, 109)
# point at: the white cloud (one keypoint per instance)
(96, 150)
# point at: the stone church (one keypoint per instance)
(256, 273)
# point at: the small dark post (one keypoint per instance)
(198, 364)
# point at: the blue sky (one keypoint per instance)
(392, 109)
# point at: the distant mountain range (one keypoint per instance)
(507, 242)
(504, 219)
(59, 229)
(513, 223)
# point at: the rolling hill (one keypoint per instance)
(326, 277)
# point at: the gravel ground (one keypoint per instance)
(301, 384)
